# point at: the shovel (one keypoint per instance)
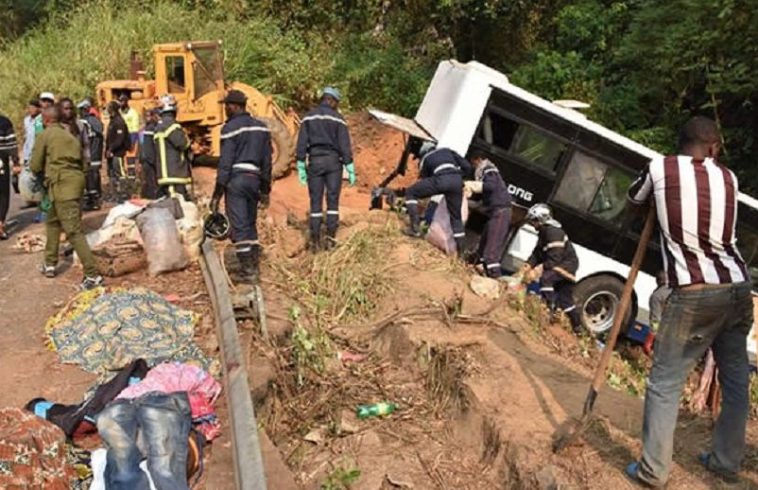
(569, 433)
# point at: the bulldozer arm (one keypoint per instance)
(283, 126)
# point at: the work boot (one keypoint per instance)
(459, 248)
(315, 244)
(47, 270)
(331, 240)
(91, 283)
(249, 262)
(413, 231)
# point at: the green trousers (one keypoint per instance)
(66, 216)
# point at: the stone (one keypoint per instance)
(485, 287)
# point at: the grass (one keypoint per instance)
(342, 477)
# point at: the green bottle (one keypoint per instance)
(375, 410)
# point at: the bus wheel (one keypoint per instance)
(598, 299)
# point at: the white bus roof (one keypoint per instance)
(459, 92)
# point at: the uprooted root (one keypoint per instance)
(445, 380)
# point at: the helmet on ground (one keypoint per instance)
(426, 147)
(168, 103)
(539, 213)
(216, 226)
(332, 92)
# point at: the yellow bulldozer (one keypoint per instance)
(193, 73)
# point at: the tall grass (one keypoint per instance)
(75, 50)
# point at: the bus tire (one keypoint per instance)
(597, 299)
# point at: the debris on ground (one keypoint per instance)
(29, 243)
(485, 287)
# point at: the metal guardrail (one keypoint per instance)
(248, 461)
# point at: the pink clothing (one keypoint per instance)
(171, 377)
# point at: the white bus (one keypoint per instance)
(548, 153)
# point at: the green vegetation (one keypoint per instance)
(644, 65)
(341, 477)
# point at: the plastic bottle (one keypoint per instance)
(375, 410)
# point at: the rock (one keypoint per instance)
(316, 436)
(261, 373)
(546, 478)
(399, 481)
(293, 242)
(485, 287)
(348, 423)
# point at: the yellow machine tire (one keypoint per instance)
(284, 148)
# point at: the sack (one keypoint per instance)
(30, 189)
(161, 241)
(441, 231)
(190, 229)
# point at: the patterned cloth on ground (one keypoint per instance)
(33, 453)
(202, 391)
(118, 327)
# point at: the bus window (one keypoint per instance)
(521, 140)
(538, 148)
(592, 187)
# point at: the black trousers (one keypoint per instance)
(94, 185)
(451, 186)
(5, 184)
(492, 242)
(558, 292)
(149, 181)
(242, 197)
(324, 174)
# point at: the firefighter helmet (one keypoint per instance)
(540, 213)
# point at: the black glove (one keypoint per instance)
(14, 183)
(218, 193)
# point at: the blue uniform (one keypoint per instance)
(496, 203)
(325, 142)
(244, 171)
(441, 171)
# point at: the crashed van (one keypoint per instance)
(547, 152)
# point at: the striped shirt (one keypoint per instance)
(7, 136)
(696, 202)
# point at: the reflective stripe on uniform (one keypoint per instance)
(555, 244)
(333, 212)
(317, 215)
(493, 266)
(317, 117)
(569, 309)
(411, 201)
(246, 129)
(459, 235)
(445, 166)
(247, 166)
(160, 138)
(546, 289)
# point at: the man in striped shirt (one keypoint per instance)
(710, 306)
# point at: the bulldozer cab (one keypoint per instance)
(193, 73)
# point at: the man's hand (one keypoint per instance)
(16, 169)
(218, 193)
(350, 167)
(109, 154)
(264, 201)
(302, 175)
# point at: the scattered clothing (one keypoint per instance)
(202, 390)
(155, 427)
(77, 420)
(111, 330)
(99, 461)
(33, 453)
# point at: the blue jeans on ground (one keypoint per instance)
(693, 321)
(159, 420)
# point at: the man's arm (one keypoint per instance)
(343, 141)
(225, 162)
(39, 152)
(641, 189)
(302, 142)
(464, 164)
(178, 139)
(555, 244)
(266, 165)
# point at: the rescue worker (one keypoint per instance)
(131, 118)
(147, 155)
(496, 206)
(559, 262)
(8, 166)
(116, 145)
(323, 149)
(57, 160)
(244, 175)
(171, 145)
(441, 171)
(94, 128)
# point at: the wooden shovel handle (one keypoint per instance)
(626, 298)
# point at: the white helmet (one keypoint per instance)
(426, 147)
(539, 213)
(167, 103)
